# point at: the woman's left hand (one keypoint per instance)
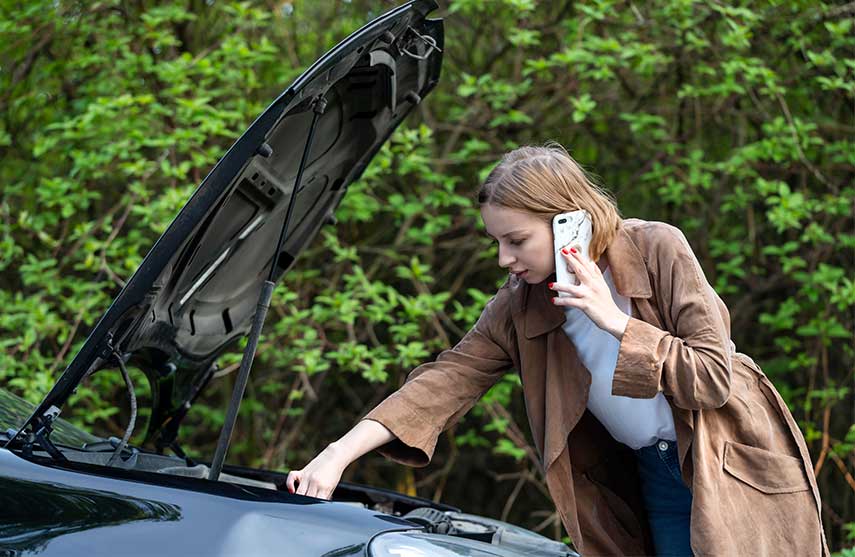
(591, 295)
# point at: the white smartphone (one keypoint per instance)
(573, 229)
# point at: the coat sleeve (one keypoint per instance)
(437, 394)
(692, 365)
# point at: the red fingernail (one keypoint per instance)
(573, 250)
(564, 251)
(553, 300)
(551, 284)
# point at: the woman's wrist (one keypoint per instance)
(618, 326)
(340, 454)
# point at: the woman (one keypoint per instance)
(655, 435)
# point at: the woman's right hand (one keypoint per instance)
(320, 476)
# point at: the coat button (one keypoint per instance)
(663, 445)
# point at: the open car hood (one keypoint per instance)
(195, 293)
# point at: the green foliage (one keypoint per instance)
(733, 121)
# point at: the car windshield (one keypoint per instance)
(14, 411)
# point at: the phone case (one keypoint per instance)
(573, 229)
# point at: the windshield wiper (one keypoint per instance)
(41, 427)
(318, 107)
(38, 436)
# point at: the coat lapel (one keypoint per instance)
(541, 315)
(629, 270)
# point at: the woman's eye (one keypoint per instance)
(516, 242)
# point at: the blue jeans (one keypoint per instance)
(667, 499)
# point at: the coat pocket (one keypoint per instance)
(764, 470)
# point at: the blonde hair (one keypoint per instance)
(546, 181)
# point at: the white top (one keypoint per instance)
(636, 422)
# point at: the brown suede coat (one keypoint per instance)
(741, 452)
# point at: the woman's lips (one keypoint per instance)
(522, 274)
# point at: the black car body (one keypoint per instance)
(66, 492)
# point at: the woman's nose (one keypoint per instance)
(505, 260)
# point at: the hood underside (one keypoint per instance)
(196, 291)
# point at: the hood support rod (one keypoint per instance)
(319, 106)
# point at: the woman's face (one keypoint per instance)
(525, 242)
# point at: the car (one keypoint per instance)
(204, 286)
